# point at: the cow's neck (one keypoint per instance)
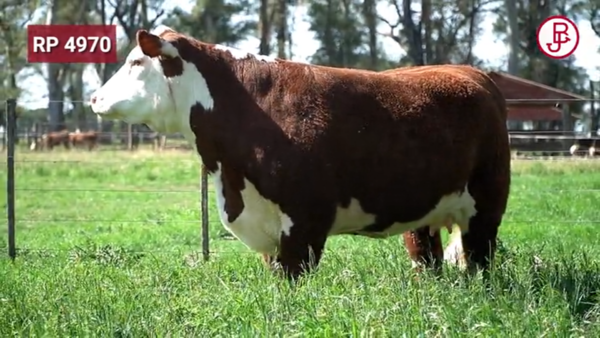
(252, 76)
(238, 88)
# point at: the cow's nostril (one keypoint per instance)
(93, 100)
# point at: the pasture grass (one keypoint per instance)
(108, 246)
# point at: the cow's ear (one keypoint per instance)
(150, 44)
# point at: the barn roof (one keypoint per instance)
(555, 92)
(534, 113)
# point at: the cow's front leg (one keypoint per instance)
(300, 251)
(424, 249)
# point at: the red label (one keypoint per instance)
(72, 43)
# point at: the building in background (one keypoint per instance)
(542, 126)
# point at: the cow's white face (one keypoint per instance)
(142, 92)
(136, 93)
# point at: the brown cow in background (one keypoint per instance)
(87, 139)
(68, 139)
(51, 140)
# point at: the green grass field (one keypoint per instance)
(109, 246)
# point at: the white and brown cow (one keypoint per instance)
(87, 139)
(51, 140)
(301, 152)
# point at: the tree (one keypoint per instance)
(369, 12)
(591, 8)
(281, 24)
(14, 16)
(57, 74)
(455, 27)
(512, 31)
(337, 25)
(210, 21)
(265, 22)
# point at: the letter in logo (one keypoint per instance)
(557, 36)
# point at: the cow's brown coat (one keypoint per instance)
(53, 139)
(80, 139)
(310, 138)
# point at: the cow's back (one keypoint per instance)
(465, 71)
(483, 106)
(424, 116)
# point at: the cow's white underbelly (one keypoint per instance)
(261, 223)
(451, 209)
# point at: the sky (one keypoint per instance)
(488, 47)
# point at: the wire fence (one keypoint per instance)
(554, 145)
(10, 137)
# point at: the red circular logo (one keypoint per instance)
(557, 37)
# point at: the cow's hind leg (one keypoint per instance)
(489, 187)
(424, 249)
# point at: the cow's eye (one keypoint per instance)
(136, 62)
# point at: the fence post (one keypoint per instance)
(204, 210)
(129, 137)
(11, 121)
(594, 113)
(4, 118)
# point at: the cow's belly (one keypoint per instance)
(259, 225)
(451, 209)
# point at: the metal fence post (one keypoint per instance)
(204, 210)
(11, 126)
